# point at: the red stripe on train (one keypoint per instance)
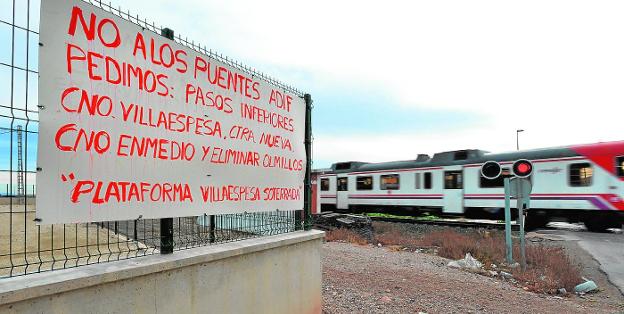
(602, 154)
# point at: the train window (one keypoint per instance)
(496, 183)
(427, 179)
(461, 155)
(364, 183)
(417, 175)
(389, 182)
(580, 174)
(324, 184)
(619, 164)
(342, 184)
(453, 180)
(343, 165)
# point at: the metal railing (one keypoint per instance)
(26, 247)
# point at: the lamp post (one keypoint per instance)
(517, 142)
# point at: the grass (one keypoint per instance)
(428, 216)
(382, 215)
(548, 267)
(423, 217)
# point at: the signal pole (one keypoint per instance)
(508, 244)
(518, 187)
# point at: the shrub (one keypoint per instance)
(397, 238)
(548, 267)
(345, 235)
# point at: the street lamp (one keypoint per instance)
(517, 142)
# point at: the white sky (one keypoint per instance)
(553, 68)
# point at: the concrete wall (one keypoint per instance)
(278, 274)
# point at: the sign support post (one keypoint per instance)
(166, 224)
(521, 190)
(307, 194)
(508, 244)
(522, 211)
(522, 240)
(520, 206)
(212, 228)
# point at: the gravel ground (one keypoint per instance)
(369, 279)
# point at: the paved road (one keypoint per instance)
(606, 248)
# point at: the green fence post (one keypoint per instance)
(307, 195)
(213, 226)
(166, 224)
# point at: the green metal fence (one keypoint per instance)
(26, 247)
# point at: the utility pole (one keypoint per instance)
(517, 138)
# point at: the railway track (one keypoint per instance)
(331, 220)
(449, 223)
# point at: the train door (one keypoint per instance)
(453, 191)
(342, 193)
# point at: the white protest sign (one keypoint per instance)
(135, 125)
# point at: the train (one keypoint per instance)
(577, 183)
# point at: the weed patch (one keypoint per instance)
(548, 267)
(345, 235)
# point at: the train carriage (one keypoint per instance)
(580, 183)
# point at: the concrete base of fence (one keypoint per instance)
(276, 274)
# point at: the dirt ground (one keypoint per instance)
(370, 279)
(26, 247)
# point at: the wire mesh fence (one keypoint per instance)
(29, 248)
(26, 247)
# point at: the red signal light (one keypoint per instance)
(522, 168)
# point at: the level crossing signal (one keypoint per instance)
(521, 168)
(518, 187)
(491, 170)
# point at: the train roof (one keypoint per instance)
(458, 157)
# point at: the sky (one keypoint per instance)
(394, 79)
